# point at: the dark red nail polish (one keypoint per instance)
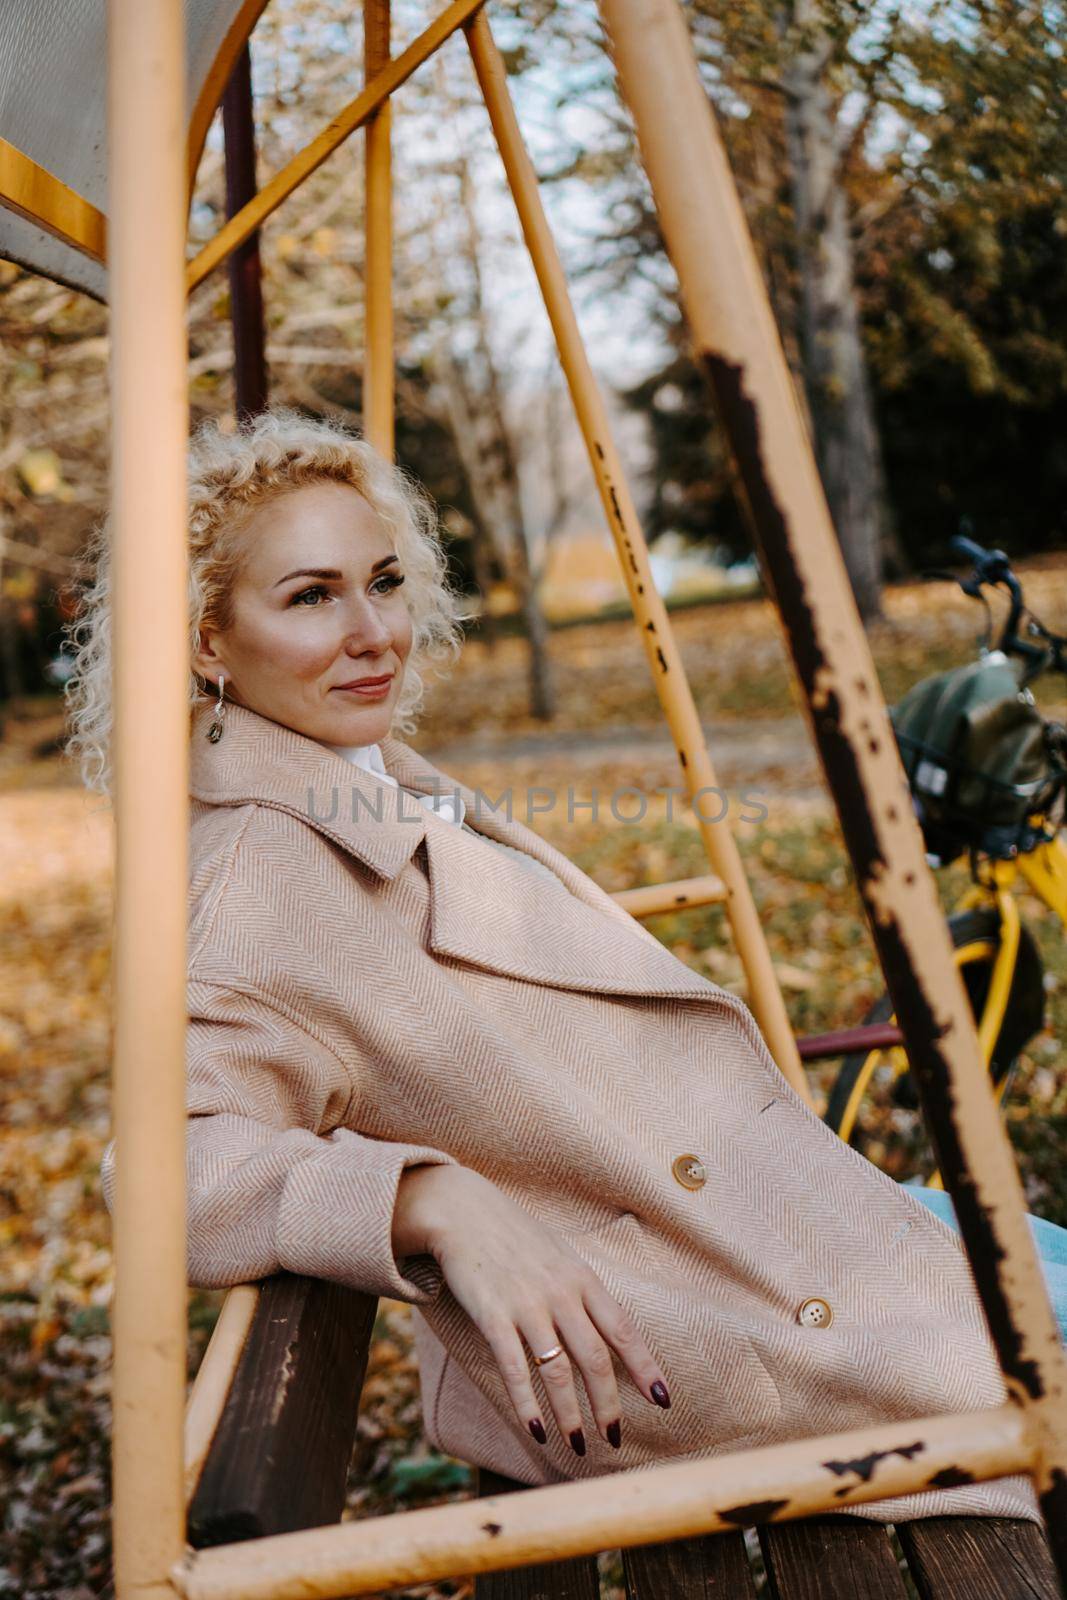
(660, 1395)
(578, 1442)
(537, 1428)
(614, 1433)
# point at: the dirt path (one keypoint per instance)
(772, 754)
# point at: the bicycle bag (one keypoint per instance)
(977, 756)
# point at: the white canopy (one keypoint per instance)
(53, 113)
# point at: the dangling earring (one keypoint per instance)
(214, 731)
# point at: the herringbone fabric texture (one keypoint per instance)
(371, 986)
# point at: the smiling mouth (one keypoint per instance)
(367, 683)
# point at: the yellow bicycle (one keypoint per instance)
(988, 776)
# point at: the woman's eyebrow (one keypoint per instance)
(332, 572)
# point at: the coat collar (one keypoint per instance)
(486, 909)
(267, 763)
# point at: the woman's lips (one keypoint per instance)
(373, 690)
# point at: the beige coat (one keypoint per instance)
(365, 994)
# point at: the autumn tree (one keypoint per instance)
(965, 265)
(903, 174)
(769, 77)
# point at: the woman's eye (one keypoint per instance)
(315, 588)
(391, 580)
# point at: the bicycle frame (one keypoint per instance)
(976, 950)
(1045, 870)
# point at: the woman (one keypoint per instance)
(431, 1059)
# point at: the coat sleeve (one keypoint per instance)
(267, 1190)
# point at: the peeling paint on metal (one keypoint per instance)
(1053, 1501)
(923, 1029)
(747, 1516)
(950, 1478)
(864, 1466)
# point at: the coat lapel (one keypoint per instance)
(486, 909)
(264, 762)
(491, 911)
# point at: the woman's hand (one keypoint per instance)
(516, 1280)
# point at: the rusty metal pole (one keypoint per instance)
(654, 624)
(378, 375)
(251, 383)
(737, 342)
(150, 683)
(645, 1505)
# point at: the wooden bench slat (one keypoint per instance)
(830, 1558)
(690, 1569)
(576, 1579)
(979, 1558)
(280, 1456)
(554, 1580)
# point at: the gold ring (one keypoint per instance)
(549, 1355)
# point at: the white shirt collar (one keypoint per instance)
(448, 804)
(367, 756)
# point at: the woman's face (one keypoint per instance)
(317, 608)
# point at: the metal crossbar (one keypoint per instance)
(354, 115)
(33, 192)
(715, 1495)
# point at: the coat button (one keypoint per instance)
(815, 1313)
(689, 1171)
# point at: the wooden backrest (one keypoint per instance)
(280, 1454)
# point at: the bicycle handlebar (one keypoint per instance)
(990, 566)
(960, 545)
(993, 567)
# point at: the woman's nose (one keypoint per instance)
(368, 630)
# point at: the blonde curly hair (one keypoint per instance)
(230, 474)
